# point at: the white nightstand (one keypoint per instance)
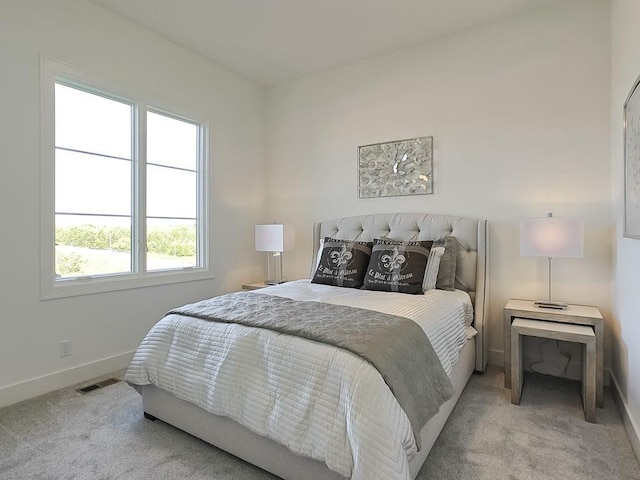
(254, 286)
(574, 314)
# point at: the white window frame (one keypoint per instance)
(53, 71)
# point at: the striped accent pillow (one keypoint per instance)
(433, 266)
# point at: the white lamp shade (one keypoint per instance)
(552, 237)
(274, 238)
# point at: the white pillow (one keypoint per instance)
(431, 272)
(318, 255)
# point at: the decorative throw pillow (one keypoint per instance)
(397, 266)
(433, 266)
(447, 271)
(319, 254)
(343, 263)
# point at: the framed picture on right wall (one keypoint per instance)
(632, 163)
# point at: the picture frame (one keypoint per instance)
(396, 168)
(631, 110)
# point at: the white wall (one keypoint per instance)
(109, 326)
(519, 112)
(625, 324)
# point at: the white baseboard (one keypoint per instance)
(63, 378)
(551, 366)
(630, 423)
(496, 358)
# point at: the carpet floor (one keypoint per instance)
(102, 435)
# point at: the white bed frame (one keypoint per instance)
(471, 275)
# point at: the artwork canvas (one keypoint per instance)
(632, 163)
(400, 167)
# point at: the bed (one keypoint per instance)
(310, 443)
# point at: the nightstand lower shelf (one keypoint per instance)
(585, 315)
(583, 334)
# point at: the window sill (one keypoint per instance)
(92, 285)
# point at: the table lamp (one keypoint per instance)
(551, 237)
(274, 239)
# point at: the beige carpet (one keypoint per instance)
(103, 435)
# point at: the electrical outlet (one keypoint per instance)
(65, 348)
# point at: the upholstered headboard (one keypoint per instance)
(472, 264)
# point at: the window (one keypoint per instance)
(124, 189)
(172, 181)
(94, 168)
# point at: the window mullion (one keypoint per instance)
(139, 198)
(201, 206)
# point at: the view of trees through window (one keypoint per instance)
(90, 249)
(98, 193)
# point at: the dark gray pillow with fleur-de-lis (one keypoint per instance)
(343, 263)
(397, 266)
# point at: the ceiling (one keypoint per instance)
(272, 41)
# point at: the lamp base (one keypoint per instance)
(550, 304)
(274, 282)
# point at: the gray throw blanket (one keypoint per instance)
(396, 346)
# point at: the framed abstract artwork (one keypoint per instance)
(632, 163)
(400, 167)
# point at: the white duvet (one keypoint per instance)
(318, 400)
